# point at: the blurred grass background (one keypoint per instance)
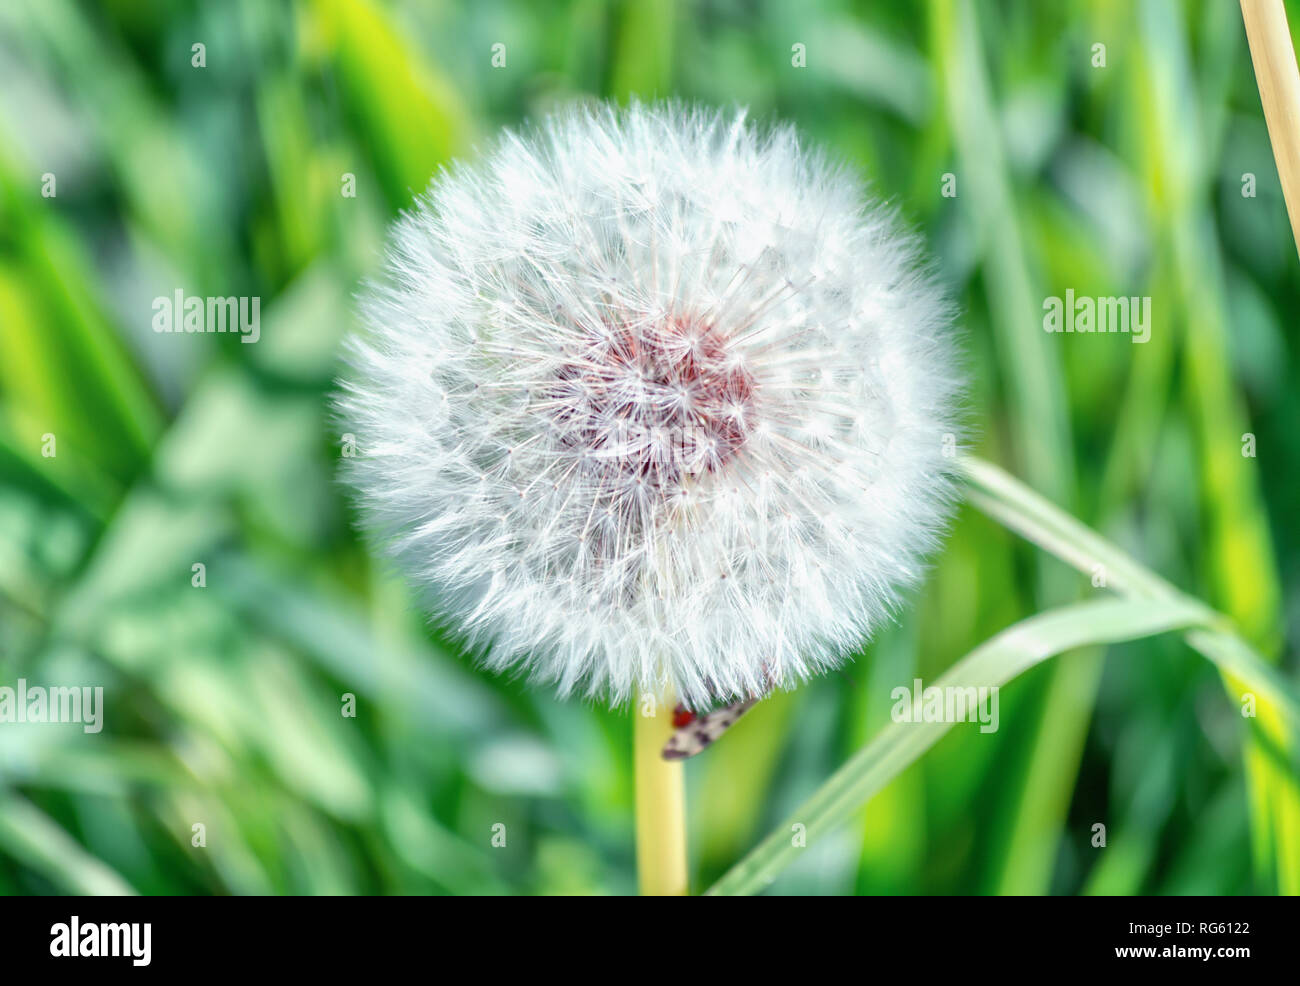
(223, 703)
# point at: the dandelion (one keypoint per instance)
(655, 399)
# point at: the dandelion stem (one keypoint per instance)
(660, 803)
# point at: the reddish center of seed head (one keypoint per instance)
(649, 406)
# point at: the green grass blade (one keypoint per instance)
(1040, 430)
(27, 833)
(1036, 519)
(1041, 426)
(409, 111)
(643, 50)
(995, 662)
(1152, 606)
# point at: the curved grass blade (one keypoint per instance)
(1033, 517)
(994, 662)
(1150, 606)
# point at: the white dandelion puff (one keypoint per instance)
(654, 398)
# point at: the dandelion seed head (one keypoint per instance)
(654, 398)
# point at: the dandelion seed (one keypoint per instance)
(654, 398)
